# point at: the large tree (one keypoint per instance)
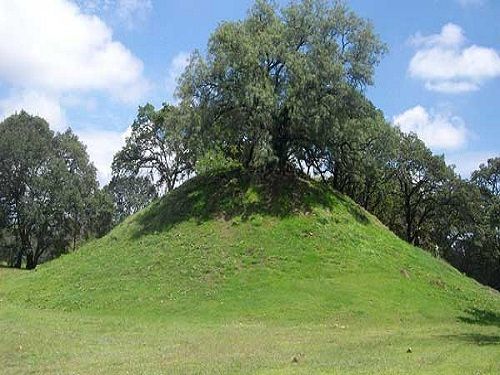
(272, 83)
(46, 185)
(25, 149)
(485, 238)
(78, 184)
(422, 180)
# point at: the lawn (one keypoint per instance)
(35, 341)
(217, 278)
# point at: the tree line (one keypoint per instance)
(284, 91)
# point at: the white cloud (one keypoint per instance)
(35, 103)
(446, 65)
(451, 35)
(102, 146)
(52, 46)
(175, 70)
(440, 131)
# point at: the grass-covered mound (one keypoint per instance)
(235, 272)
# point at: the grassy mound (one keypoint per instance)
(229, 259)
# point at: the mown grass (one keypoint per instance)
(237, 274)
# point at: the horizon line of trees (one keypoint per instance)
(284, 90)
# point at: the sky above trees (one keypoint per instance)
(88, 64)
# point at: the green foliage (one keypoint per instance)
(46, 188)
(488, 177)
(474, 234)
(78, 184)
(272, 84)
(213, 161)
(101, 211)
(157, 147)
(421, 179)
(130, 194)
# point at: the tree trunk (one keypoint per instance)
(408, 211)
(281, 139)
(336, 176)
(280, 149)
(409, 222)
(31, 261)
(18, 260)
(416, 239)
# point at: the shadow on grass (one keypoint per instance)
(236, 193)
(481, 317)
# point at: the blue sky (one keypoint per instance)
(88, 64)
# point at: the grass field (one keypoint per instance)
(235, 275)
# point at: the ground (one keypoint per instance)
(237, 275)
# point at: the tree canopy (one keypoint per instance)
(47, 186)
(157, 148)
(273, 84)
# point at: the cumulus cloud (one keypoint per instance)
(438, 130)
(175, 70)
(446, 64)
(451, 35)
(52, 46)
(34, 103)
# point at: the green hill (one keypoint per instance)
(232, 273)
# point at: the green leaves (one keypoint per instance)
(129, 195)
(46, 188)
(158, 147)
(487, 177)
(267, 81)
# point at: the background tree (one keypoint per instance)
(47, 184)
(101, 213)
(487, 177)
(422, 179)
(79, 184)
(130, 194)
(483, 250)
(157, 147)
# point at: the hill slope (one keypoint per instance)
(275, 251)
